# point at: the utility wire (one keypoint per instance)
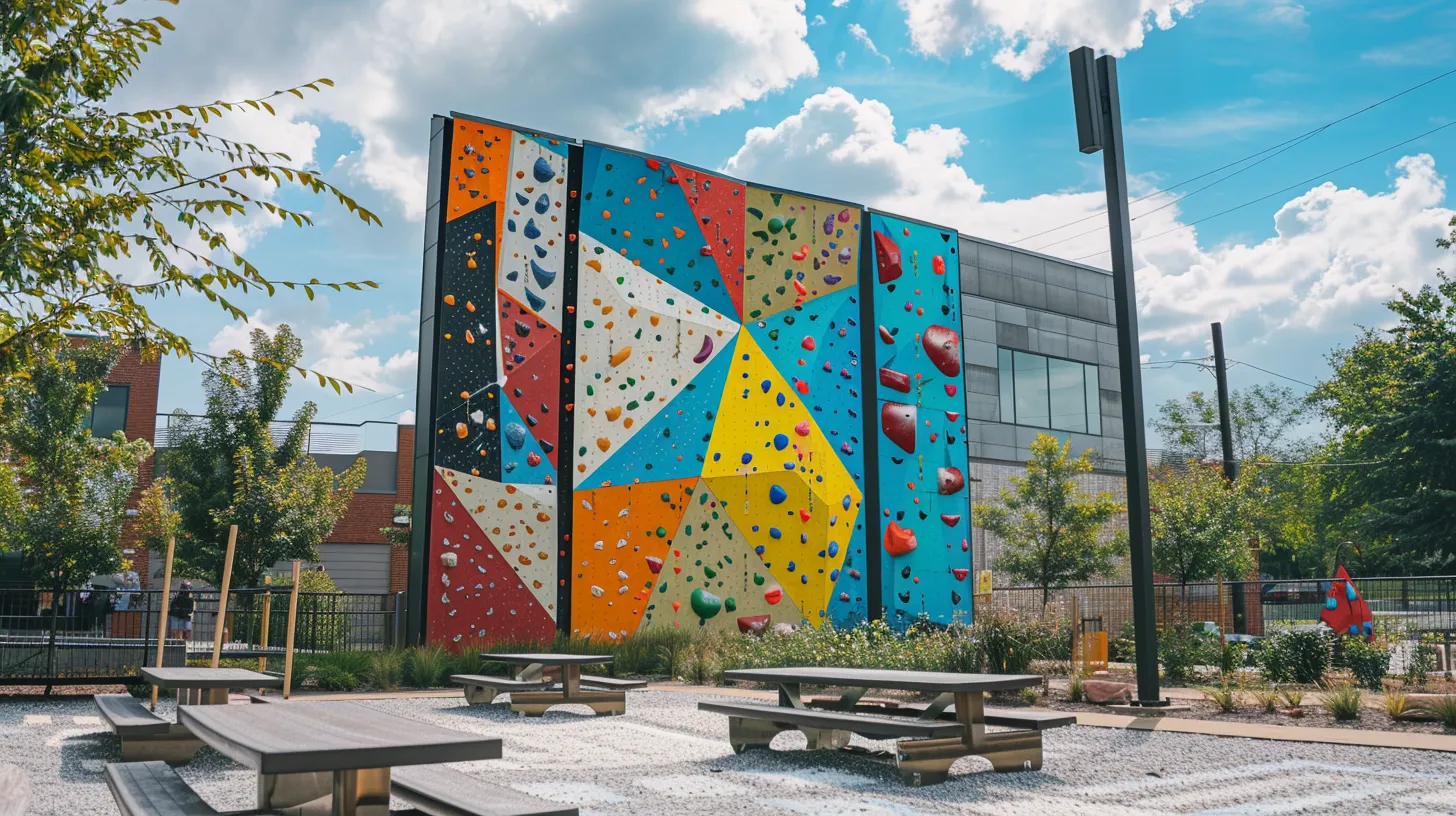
(1274, 374)
(1296, 185)
(365, 405)
(1293, 142)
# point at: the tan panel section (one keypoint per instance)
(797, 249)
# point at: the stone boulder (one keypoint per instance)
(1106, 692)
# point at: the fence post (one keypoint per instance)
(292, 619)
(166, 600)
(219, 621)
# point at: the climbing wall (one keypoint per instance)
(650, 409)
(920, 416)
(492, 564)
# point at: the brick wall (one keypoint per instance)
(142, 378)
(369, 512)
(399, 556)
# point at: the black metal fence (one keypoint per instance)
(1398, 605)
(105, 635)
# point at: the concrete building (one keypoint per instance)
(1040, 357)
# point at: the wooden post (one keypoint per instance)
(1222, 637)
(227, 577)
(1076, 632)
(288, 648)
(267, 614)
(166, 602)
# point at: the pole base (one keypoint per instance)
(1149, 708)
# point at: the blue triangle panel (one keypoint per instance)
(672, 444)
(515, 467)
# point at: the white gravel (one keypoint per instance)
(666, 757)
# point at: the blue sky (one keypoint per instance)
(959, 113)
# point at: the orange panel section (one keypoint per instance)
(620, 537)
(480, 162)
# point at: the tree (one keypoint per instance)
(1389, 403)
(1051, 532)
(1261, 416)
(86, 191)
(157, 518)
(64, 490)
(1201, 524)
(226, 468)
(398, 535)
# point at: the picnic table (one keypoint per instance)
(205, 686)
(531, 688)
(303, 752)
(932, 736)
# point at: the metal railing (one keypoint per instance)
(106, 634)
(1417, 604)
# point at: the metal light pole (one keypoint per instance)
(1230, 461)
(1099, 127)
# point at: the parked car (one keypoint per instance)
(1295, 592)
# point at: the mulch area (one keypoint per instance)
(1314, 716)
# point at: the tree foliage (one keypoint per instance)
(157, 518)
(87, 192)
(398, 535)
(1390, 404)
(62, 491)
(1051, 533)
(1201, 524)
(227, 468)
(1261, 415)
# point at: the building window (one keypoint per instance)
(1046, 392)
(108, 415)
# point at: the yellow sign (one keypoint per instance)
(983, 582)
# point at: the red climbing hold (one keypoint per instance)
(952, 416)
(937, 265)
(886, 336)
(950, 519)
(887, 257)
(706, 251)
(802, 386)
(896, 380)
(943, 347)
(899, 540)
(654, 564)
(808, 343)
(803, 514)
(774, 595)
(654, 164)
(960, 573)
(898, 422)
(753, 624)
(802, 429)
(949, 480)
(799, 287)
(950, 389)
(533, 459)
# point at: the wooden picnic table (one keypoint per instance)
(533, 667)
(932, 737)
(206, 686)
(304, 752)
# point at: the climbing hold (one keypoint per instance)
(544, 277)
(895, 380)
(780, 441)
(899, 540)
(705, 604)
(705, 352)
(949, 480)
(654, 564)
(774, 595)
(897, 420)
(619, 356)
(542, 170)
(777, 495)
(943, 347)
(807, 343)
(531, 231)
(802, 429)
(515, 434)
(950, 519)
(889, 339)
(960, 573)
(753, 624)
(887, 257)
(533, 459)
(937, 265)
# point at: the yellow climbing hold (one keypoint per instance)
(620, 355)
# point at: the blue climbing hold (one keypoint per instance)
(845, 503)
(535, 301)
(542, 170)
(1350, 592)
(1331, 603)
(765, 385)
(781, 441)
(531, 231)
(777, 495)
(791, 566)
(833, 548)
(834, 575)
(544, 277)
(747, 457)
(515, 434)
(543, 204)
(779, 399)
(774, 532)
(759, 549)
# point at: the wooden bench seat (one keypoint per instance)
(613, 683)
(1030, 719)
(153, 789)
(144, 735)
(442, 791)
(482, 690)
(259, 697)
(752, 725)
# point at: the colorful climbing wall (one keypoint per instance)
(651, 405)
(492, 556)
(920, 415)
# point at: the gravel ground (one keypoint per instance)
(666, 757)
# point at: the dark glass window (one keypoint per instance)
(1045, 392)
(108, 415)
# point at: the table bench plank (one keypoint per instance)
(868, 725)
(443, 791)
(888, 679)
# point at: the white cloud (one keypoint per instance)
(1336, 252)
(840, 3)
(1285, 12)
(858, 32)
(406, 417)
(839, 59)
(817, 21)
(396, 62)
(1027, 32)
(339, 349)
(1237, 120)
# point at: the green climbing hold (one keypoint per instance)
(776, 225)
(730, 605)
(710, 572)
(705, 604)
(662, 532)
(757, 580)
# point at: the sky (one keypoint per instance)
(954, 111)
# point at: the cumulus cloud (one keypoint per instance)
(395, 62)
(1027, 35)
(339, 349)
(858, 32)
(406, 417)
(1335, 250)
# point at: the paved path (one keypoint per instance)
(665, 757)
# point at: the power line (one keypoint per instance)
(1203, 363)
(365, 405)
(1288, 143)
(1274, 374)
(1293, 186)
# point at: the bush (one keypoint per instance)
(1444, 710)
(1368, 661)
(1396, 704)
(1008, 644)
(1231, 658)
(427, 666)
(1076, 691)
(323, 619)
(1294, 657)
(1268, 699)
(1343, 701)
(1421, 663)
(1226, 697)
(1293, 698)
(385, 671)
(1123, 648)
(1181, 648)
(333, 678)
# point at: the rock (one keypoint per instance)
(897, 420)
(784, 628)
(1104, 692)
(1417, 708)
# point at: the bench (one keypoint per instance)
(1028, 719)
(144, 735)
(754, 726)
(613, 683)
(482, 690)
(259, 697)
(153, 789)
(442, 791)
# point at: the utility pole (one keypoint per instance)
(1230, 461)
(1099, 127)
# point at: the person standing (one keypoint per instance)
(180, 614)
